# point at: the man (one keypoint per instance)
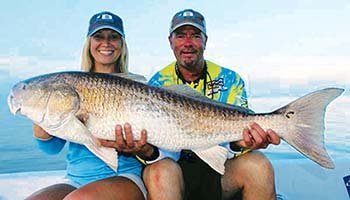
(175, 175)
(248, 176)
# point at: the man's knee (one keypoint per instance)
(258, 162)
(253, 161)
(252, 169)
(251, 166)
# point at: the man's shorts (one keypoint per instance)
(201, 181)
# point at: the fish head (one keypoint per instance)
(29, 98)
(48, 100)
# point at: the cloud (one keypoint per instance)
(27, 66)
(302, 45)
(283, 72)
(284, 69)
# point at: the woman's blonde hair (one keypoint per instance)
(87, 61)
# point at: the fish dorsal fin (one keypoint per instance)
(186, 91)
(189, 92)
(215, 157)
(132, 76)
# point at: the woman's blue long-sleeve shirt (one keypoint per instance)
(83, 166)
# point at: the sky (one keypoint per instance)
(273, 44)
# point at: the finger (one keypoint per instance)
(257, 140)
(247, 138)
(143, 139)
(260, 131)
(119, 139)
(261, 137)
(129, 139)
(108, 143)
(273, 137)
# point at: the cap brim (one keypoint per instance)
(106, 27)
(188, 23)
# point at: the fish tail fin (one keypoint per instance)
(305, 130)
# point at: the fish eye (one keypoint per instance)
(24, 86)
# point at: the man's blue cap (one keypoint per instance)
(188, 17)
(105, 20)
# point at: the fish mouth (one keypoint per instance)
(14, 106)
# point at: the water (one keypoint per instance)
(18, 151)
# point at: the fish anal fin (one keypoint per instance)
(215, 157)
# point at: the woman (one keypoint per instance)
(88, 177)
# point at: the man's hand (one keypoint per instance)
(256, 138)
(128, 144)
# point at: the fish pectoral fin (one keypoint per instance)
(62, 104)
(73, 130)
(215, 157)
(107, 155)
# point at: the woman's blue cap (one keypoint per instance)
(105, 20)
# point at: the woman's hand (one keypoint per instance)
(127, 144)
(40, 133)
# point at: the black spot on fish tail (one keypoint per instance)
(289, 114)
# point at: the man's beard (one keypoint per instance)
(193, 66)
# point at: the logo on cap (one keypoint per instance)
(105, 16)
(187, 14)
